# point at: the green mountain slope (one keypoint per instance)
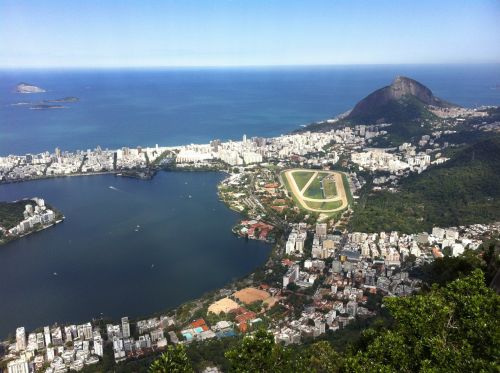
(404, 104)
(464, 190)
(409, 118)
(400, 88)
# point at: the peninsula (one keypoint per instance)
(20, 218)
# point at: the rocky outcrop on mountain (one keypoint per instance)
(403, 91)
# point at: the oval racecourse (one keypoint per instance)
(316, 190)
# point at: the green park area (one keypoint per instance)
(324, 205)
(301, 178)
(315, 189)
(329, 187)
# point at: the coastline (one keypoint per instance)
(57, 176)
(44, 227)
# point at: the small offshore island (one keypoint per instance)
(26, 88)
(49, 104)
(29, 88)
(368, 206)
(21, 218)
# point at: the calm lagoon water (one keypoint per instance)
(183, 248)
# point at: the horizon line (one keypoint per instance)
(144, 67)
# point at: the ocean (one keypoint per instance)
(134, 107)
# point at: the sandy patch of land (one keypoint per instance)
(250, 295)
(223, 305)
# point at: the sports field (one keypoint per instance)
(250, 295)
(317, 191)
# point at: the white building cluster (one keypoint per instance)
(234, 153)
(405, 157)
(34, 214)
(324, 244)
(72, 347)
(310, 324)
(98, 161)
(256, 150)
(296, 239)
(76, 347)
(363, 264)
(30, 166)
(380, 160)
(151, 336)
(392, 248)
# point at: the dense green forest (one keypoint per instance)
(464, 190)
(11, 213)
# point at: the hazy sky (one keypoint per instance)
(106, 33)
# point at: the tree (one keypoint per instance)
(174, 360)
(321, 357)
(447, 251)
(444, 270)
(491, 257)
(450, 329)
(259, 353)
(255, 306)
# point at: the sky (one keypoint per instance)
(153, 33)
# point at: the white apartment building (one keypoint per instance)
(18, 366)
(20, 339)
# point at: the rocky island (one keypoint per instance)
(46, 106)
(28, 88)
(54, 103)
(69, 99)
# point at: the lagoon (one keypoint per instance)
(137, 248)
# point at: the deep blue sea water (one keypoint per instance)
(184, 246)
(181, 106)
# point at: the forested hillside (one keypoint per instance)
(464, 190)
